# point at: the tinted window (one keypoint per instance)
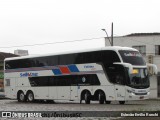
(39, 81)
(24, 63)
(88, 80)
(52, 60)
(116, 74)
(88, 57)
(67, 59)
(132, 57)
(110, 57)
(67, 80)
(77, 58)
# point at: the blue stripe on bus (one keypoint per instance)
(57, 71)
(73, 68)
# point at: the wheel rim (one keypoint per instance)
(86, 97)
(30, 97)
(99, 97)
(21, 96)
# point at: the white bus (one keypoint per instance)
(104, 75)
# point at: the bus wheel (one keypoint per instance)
(121, 102)
(21, 97)
(101, 97)
(30, 96)
(87, 97)
(108, 102)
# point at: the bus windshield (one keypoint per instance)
(139, 79)
(132, 57)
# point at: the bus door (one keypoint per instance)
(63, 92)
(120, 92)
(120, 83)
(63, 88)
(74, 92)
(75, 88)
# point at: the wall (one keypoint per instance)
(153, 87)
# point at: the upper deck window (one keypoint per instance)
(132, 57)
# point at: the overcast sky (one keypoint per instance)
(28, 22)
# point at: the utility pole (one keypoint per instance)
(112, 35)
(110, 40)
(107, 37)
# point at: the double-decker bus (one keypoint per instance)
(104, 75)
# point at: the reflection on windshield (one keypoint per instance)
(140, 79)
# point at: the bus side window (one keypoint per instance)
(52, 81)
(116, 74)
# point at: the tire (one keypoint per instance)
(87, 97)
(121, 102)
(30, 96)
(21, 97)
(101, 97)
(108, 102)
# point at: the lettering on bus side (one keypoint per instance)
(88, 66)
(28, 74)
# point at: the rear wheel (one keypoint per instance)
(121, 102)
(21, 97)
(30, 96)
(101, 97)
(87, 97)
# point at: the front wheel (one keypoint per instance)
(30, 97)
(121, 102)
(101, 97)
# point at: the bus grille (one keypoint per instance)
(140, 93)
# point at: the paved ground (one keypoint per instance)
(147, 105)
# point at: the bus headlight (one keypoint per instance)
(129, 91)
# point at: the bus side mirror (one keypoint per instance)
(128, 65)
(154, 67)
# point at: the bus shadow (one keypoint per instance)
(74, 102)
(83, 104)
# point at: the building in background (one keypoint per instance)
(21, 52)
(148, 45)
(2, 57)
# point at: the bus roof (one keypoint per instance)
(114, 48)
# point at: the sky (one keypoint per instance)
(37, 22)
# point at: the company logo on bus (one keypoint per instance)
(132, 54)
(26, 74)
(88, 66)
